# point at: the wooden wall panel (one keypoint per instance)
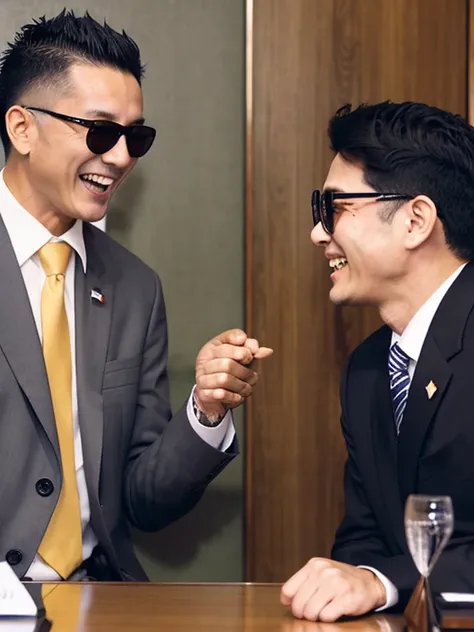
(305, 58)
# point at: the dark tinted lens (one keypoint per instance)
(315, 206)
(102, 137)
(327, 212)
(139, 139)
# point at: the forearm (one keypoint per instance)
(170, 475)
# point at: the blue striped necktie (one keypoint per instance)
(399, 381)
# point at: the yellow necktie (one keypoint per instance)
(61, 546)
(62, 603)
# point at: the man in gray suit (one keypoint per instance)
(88, 444)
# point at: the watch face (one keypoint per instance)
(210, 423)
(205, 421)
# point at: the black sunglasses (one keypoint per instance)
(103, 135)
(322, 204)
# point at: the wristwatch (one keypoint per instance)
(205, 421)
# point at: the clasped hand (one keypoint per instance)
(224, 378)
(325, 590)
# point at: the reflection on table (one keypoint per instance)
(186, 607)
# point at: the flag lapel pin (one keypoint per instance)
(96, 295)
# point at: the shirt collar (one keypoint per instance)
(28, 235)
(412, 339)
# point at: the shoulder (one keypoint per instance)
(379, 338)
(363, 368)
(369, 352)
(119, 263)
(137, 288)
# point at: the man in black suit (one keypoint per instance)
(88, 444)
(396, 221)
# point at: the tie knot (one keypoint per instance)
(54, 257)
(398, 360)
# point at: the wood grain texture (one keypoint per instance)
(185, 608)
(307, 59)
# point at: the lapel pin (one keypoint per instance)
(96, 295)
(431, 389)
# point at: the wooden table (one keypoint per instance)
(100, 607)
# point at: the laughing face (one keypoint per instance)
(62, 179)
(366, 255)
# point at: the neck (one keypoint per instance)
(22, 190)
(412, 291)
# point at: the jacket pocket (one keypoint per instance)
(121, 372)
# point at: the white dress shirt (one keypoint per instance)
(27, 236)
(411, 342)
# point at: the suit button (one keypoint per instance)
(44, 487)
(14, 557)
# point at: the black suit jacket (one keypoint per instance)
(433, 454)
(142, 466)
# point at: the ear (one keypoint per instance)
(21, 128)
(420, 221)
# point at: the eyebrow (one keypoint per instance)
(108, 116)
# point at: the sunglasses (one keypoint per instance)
(103, 135)
(322, 204)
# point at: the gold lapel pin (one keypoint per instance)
(431, 389)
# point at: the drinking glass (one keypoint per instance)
(428, 527)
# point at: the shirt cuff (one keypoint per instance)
(390, 589)
(219, 437)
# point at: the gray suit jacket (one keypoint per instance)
(142, 467)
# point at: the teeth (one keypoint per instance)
(337, 264)
(104, 181)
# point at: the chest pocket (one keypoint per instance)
(123, 372)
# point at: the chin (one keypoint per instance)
(339, 300)
(90, 215)
(344, 298)
(337, 296)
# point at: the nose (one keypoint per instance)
(319, 236)
(118, 156)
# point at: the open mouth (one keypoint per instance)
(337, 264)
(95, 183)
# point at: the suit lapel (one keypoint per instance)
(443, 341)
(420, 412)
(20, 342)
(93, 321)
(385, 441)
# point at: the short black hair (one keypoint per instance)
(43, 51)
(414, 149)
